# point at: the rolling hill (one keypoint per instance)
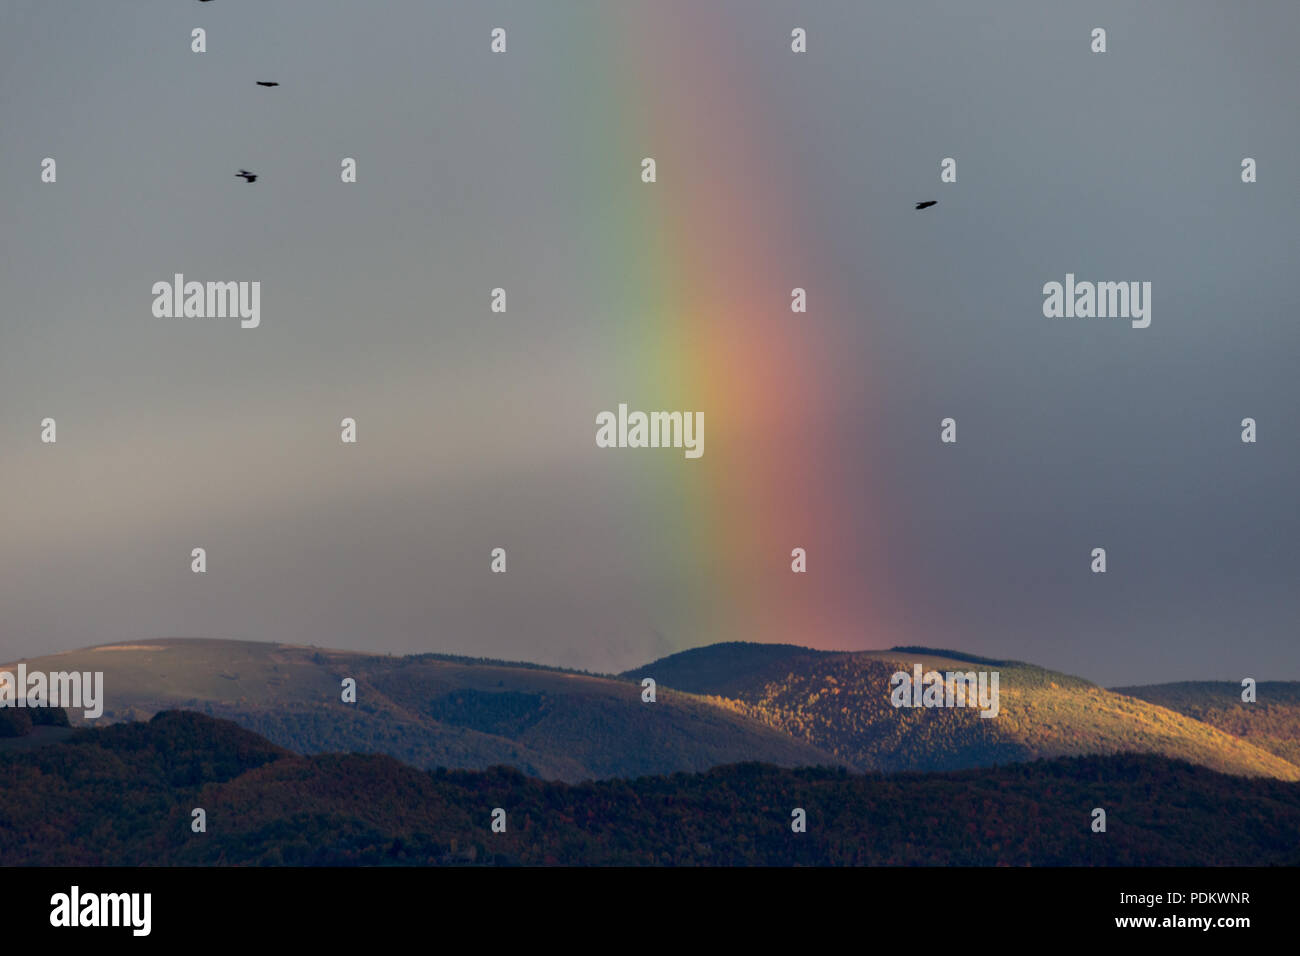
(840, 703)
(431, 710)
(123, 795)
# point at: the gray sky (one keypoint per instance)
(477, 431)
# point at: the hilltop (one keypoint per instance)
(840, 703)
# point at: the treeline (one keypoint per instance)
(124, 794)
(19, 721)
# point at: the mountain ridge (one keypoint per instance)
(717, 704)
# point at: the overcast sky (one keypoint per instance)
(776, 169)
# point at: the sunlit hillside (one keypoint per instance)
(841, 703)
(1271, 723)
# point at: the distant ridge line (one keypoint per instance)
(954, 655)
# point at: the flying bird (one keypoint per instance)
(927, 204)
(266, 83)
(248, 177)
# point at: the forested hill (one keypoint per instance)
(124, 795)
(840, 703)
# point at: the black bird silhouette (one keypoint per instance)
(927, 204)
(266, 83)
(248, 177)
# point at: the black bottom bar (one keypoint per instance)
(497, 905)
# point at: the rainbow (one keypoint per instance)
(702, 263)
